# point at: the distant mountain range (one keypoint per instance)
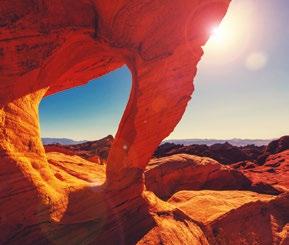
(209, 142)
(61, 141)
(185, 142)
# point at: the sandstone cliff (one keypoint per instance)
(50, 45)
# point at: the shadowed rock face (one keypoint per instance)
(50, 45)
(224, 153)
(274, 171)
(274, 147)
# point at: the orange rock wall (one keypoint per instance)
(50, 45)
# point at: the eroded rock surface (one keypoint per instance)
(189, 217)
(51, 45)
(167, 175)
(192, 217)
(237, 217)
(274, 171)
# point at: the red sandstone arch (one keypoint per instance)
(51, 45)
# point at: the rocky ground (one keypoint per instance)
(265, 167)
(202, 200)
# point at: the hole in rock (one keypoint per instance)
(77, 125)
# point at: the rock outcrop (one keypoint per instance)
(165, 176)
(224, 153)
(278, 145)
(227, 153)
(192, 217)
(235, 218)
(95, 151)
(51, 45)
(274, 147)
(274, 172)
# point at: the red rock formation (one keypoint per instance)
(95, 151)
(224, 153)
(278, 145)
(275, 172)
(165, 176)
(274, 147)
(51, 45)
(235, 218)
(196, 217)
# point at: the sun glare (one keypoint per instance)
(230, 39)
(216, 33)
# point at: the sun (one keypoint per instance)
(221, 35)
(231, 39)
(216, 33)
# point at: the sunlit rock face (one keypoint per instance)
(237, 217)
(51, 45)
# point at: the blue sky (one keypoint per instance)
(241, 89)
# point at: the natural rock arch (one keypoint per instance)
(51, 45)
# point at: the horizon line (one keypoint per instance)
(171, 139)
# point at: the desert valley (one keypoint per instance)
(244, 189)
(262, 169)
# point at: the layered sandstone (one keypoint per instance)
(167, 175)
(191, 216)
(51, 45)
(235, 218)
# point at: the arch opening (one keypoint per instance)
(78, 125)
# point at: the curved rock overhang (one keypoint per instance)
(51, 45)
